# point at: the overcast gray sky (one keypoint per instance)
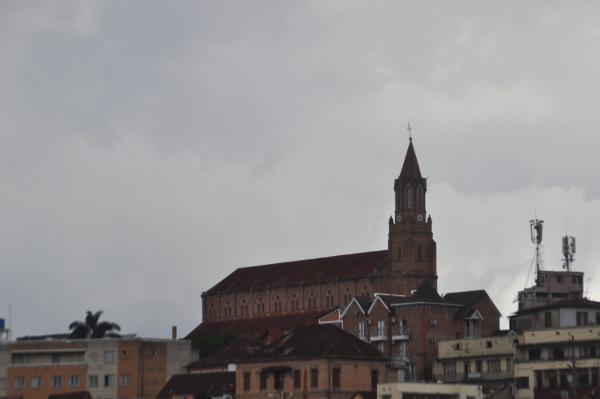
(149, 148)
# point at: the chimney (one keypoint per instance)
(174, 332)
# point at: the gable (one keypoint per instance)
(309, 271)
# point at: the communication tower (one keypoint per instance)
(537, 230)
(568, 250)
(4, 332)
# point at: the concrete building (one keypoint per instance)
(486, 361)
(416, 390)
(558, 362)
(109, 368)
(567, 313)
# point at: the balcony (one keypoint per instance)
(399, 358)
(478, 376)
(378, 333)
(400, 333)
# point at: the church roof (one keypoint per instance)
(410, 168)
(255, 327)
(308, 271)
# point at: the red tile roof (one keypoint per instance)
(203, 385)
(308, 271)
(255, 327)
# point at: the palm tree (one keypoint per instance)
(91, 328)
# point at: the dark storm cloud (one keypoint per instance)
(148, 149)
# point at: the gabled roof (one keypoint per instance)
(567, 303)
(318, 341)
(238, 349)
(202, 385)
(309, 271)
(362, 303)
(254, 327)
(468, 299)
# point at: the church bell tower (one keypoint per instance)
(411, 248)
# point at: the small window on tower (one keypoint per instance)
(409, 197)
(419, 252)
(400, 252)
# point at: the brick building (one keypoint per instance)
(407, 327)
(318, 361)
(108, 368)
(299, 291)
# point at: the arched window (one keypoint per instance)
(420, 198)
(244, 307)
(294, 303)
(227, 310)
(276, 304)
(409, 197)
(329, 299)
(347, 296)
(212, 311)
(419, 252)
(311, 302)
(365, 291)
(260, 306)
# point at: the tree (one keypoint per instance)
(91, 328)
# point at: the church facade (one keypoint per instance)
(314, 286)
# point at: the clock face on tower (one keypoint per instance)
(419, 218)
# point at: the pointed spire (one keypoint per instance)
(410, 168)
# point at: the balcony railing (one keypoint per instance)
(478, 376)
(400, 332)
(378, 333)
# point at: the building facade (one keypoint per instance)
(556, 363)
(317, 285)
(413, 390)
(110, 368)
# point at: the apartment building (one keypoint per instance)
(109, 368)
(558, 362)
(565, 313)
(419, 390)
(487, 361)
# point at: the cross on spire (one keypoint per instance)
(409, 128)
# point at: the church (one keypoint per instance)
(296, 293)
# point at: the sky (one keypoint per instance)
(149, 148)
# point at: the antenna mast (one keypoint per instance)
(537, 228)
(568, 250)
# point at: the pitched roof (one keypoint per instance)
(318, 341)
(364, 395)
(254, 326)
(410, 167)
(238, 349)
(71, 395)
(308, 271)
(567, 303)
(203, 385)
(468, 299)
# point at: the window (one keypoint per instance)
(109, 356)
(582, 318)
(56, 358)
(335, 379)
(109, 380)
(314, 378)
(467, 368)
(478, 366)
(539, 379)
(493, 365)
(362, 329)
(263, 380)
(36, 382)
(409, 197)
(381, 347)
(374, 379)
(73, 380)
(297, 379)
(278, 381)
(534, 354)
(124, 380)
(329, 300)
(594, 372)
(597, 317)
(381, 328)
(449, 368)
(559, 279)
(523, 382)
(92, 381)
(20, 382)
(56, 381)
(246, 380)
(548, 319)
(419, 253)
(488, 344)
(311, 301)
(558, 353)
(509, 364)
